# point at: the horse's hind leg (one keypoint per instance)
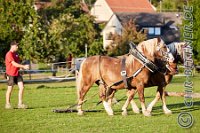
(81, 94)
(160, 94)
(105, 100)
(150, 106)
(129, 100)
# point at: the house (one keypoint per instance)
(156, 24)
(104, 9)
(115, 13)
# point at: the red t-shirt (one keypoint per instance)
(10, 69)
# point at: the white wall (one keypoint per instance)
(113, 26)
(101, 11)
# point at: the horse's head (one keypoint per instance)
(176, 48)
(156, 49)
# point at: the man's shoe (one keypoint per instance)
(22, 106)
(8, 106)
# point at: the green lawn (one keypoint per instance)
(43, 98)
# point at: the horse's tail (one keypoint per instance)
(79, 79)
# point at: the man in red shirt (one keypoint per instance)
(12, 72)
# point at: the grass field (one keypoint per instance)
(43, 98)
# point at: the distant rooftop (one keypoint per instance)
(129, 6)
(142, 19)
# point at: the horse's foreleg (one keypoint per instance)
(135, 107)
(140, 89)
(130, 95)
(150, 106)
(125, 106)
(165, 109)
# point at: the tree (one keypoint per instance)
(50, 33)
(130, 33)
(15, 17)
(196, 31)
(71, 29)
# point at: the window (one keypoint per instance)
(154, 30)
(157, 31)
(151, 31)
(109, 36)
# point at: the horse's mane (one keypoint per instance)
(178, 46)
(149, 46)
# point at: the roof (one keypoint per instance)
(168, 22)
(129, 6)
(142, 19)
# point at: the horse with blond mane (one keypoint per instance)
(105, 71)
(159, 79)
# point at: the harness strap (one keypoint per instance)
(128, 78)
(102, 81)
(123, 72)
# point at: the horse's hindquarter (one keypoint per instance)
(90, 71)
(104, 68)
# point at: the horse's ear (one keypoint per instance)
(159, 39)
(184, 45)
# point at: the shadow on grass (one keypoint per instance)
(73, 110)
(48, 87)
(177, 108)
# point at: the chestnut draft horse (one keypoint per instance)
(159, 79)
(105, 71)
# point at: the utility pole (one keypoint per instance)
(86, 50)
(161, 6)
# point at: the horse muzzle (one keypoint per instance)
(172, 67)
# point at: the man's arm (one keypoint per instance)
(19, 65)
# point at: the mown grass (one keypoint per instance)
(43, 98)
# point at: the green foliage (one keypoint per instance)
(71, 30)
(120, 43)
(196, 31)
(169, 5)
(15, 17)
(49, 34)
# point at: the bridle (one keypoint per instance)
(166, 55)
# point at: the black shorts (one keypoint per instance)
(14, 79)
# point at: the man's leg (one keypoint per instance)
(10, 80)
(8, 94)
(21, 91)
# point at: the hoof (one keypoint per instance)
(149, 109)
(137, 111)
(110, 113)
(80, 113)
(124, 113)
(168, 112)
(147, 113)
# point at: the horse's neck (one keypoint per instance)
(147, 50)
(129, 60)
